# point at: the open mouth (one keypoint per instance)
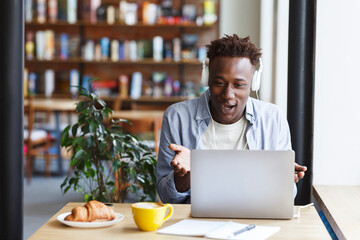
(227, 108)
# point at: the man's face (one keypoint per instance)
(229, 83)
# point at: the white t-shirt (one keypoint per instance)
(225, 136)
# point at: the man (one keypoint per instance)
(224, 117)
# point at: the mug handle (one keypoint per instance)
(171, 209)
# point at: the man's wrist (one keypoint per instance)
(182, 184)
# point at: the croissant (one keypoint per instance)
(93, 211)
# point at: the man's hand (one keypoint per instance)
(299, 172)
(181, 161)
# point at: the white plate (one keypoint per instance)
(61, 217)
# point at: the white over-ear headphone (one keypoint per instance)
(255, 85)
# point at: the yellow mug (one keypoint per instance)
(149, 216)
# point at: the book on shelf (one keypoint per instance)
(29, 45)
(158, 48)
(133, 51)
(136, 85)
(89, 50)
(94, 4)
(49, 51)
(52, 10)
(114, 50)
(26, 81)
(29, 8)
(121, 50)
(49, 82)
(32, 83)
(110, 15)
(40, 83)
(71, 11)
(85, 82)
(64, 46)
(104, 87)
(105, 48)
(126, 44)
(62, 82)
(41, 11)
(84, 11)
(74, 82)
(74, 46)
(40, 44)
(101, 13)
(123, 85)
(62, 10)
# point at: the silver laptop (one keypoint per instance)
(242, 184)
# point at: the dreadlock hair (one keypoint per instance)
(233, 46)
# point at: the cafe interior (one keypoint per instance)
(76, 70)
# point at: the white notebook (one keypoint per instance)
(217, 229)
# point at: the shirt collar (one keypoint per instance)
(203, 111)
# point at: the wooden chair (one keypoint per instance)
(37, 141)
(141, 124)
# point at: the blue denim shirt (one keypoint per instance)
(185, 122)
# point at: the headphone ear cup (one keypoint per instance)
(254, 83)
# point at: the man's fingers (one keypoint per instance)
(180, 172)
(175, 147)
(300, 168)
(296, 178)
(301, 175)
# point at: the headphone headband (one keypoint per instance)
(255, 85)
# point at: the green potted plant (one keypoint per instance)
(107, 162)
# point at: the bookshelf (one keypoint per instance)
(177, 22)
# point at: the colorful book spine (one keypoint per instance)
(110, 15)
(32, 83)
(105, 48)
(176, 49)
(122, 11)
(126, 50)
(49, 82)
(28, 10)
(52, 10)
(131, 14)
(49, 45)
(41, 11)
(209, 12)
(94, 4)
(40, 44)
(132, 50)
(97, 52)
(136, 85)
(176, 88)
(64, 46)
(168, 51)
(140, 50)
(26, 82)
(168, 86)
(124, 85)
(89, 50)
(62, 10)
(114, 50)
(121, 50)
(85, 83)
(158, 48)
(74, 82)
(71, 11)
(29, 46)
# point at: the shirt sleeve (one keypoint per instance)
(165, 184)
(284, 140)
